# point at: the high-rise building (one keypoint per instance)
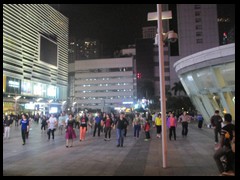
(84, 49)
(35, 52)
(103, 83)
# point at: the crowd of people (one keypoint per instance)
(104, 123)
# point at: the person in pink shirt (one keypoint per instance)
(172, 124)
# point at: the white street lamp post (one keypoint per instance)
(171, 36)
(162, 86)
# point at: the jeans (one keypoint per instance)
(120, 136)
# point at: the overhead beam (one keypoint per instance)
(152, 16)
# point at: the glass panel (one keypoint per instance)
(228, 73)
(205, 79)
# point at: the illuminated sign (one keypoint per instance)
(53, 110)
(130, 102)
(14, 84)
(29, 106)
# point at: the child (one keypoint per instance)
(147, 130)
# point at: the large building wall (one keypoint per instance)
(103, 82)
(209, 80)
(22, 26)
(197, 27)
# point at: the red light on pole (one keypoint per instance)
(139, 75)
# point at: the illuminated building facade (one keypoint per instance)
(103, 83)
(35, 52)
(209, 80)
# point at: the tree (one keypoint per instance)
(178, 87)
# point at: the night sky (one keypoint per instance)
(115, 24)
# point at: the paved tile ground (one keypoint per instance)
(187, 156)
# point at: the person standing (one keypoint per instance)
(7, 124)
(216, 122)
(24, 122)
(126, 125)
(200, 121)
(44, 123)
(83, 127)
(158, 124)
(224, 148)
(147, 130)
(184, 119)
(120, 124)
(70, 132)
(52, 124)
(108, 127)
(172, 124)
(61, 123)
(97, 124)
(136, 125)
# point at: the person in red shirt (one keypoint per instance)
(147, 130)
(108, 123)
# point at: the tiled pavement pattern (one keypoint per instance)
(187, 156)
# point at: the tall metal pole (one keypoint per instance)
(162, 86)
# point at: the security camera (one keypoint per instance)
(172, 36)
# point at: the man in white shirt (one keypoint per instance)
(52, 124)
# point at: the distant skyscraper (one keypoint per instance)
(84, 49)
